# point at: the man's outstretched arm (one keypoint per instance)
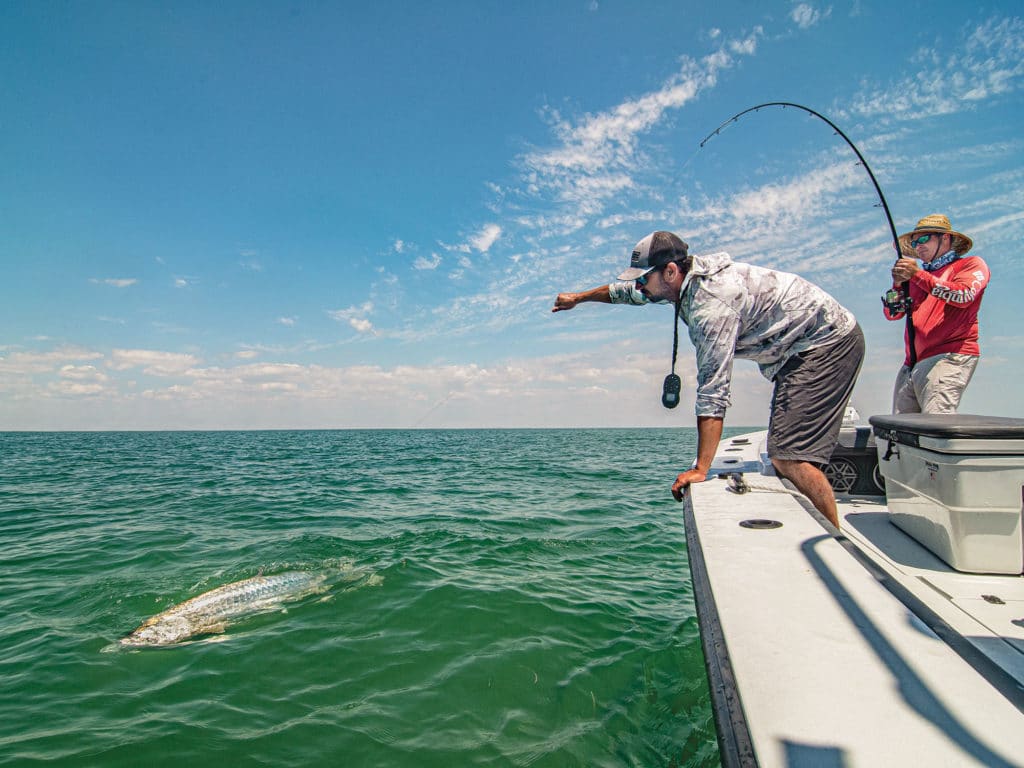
(565, 301)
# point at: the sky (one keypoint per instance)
(320, 215)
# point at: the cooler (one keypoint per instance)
(955, 483)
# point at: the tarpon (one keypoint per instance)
(211, 611)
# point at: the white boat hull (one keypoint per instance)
(812, 657)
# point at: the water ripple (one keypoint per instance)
(530, 601)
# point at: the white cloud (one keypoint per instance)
(289, 321)
(82, 373)
(116, 282)
(599, 155)
(174, 392)
(746, 46)
(796, 201)
(424, 263)
(989, 63)
(75, 389)
(553, 225)
(81, 381)
(27, 363)
(153, 362)
(355, 317)
(618, 219)
(806, 16)
(788, 224)
(269, 370)
(997, 224)
(487, 236)
(343, 315)
(582, 388)
(480, 242)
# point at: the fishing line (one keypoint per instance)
(451, 393)
(900, 302)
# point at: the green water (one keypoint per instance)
(526, 600)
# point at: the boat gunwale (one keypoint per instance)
(735, 744)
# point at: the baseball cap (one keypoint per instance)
(655, 250)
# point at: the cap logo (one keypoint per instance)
(635, 260)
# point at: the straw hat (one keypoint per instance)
(939, 224)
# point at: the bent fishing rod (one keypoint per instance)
(895, 303)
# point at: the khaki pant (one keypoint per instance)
(935, 385)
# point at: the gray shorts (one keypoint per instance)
(935, 385)
(811, 393)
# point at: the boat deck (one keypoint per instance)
(859, 649)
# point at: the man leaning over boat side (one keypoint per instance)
(801, 338)
(945, 296)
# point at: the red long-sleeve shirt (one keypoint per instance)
(945, 308)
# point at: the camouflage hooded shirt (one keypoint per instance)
(753, 313)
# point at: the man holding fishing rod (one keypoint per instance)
(944, 298)
(801, 338)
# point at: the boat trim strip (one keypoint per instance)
(736, 748)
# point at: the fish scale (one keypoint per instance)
(211, 611)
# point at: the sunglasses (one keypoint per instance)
(642, 280)
(921, 240)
